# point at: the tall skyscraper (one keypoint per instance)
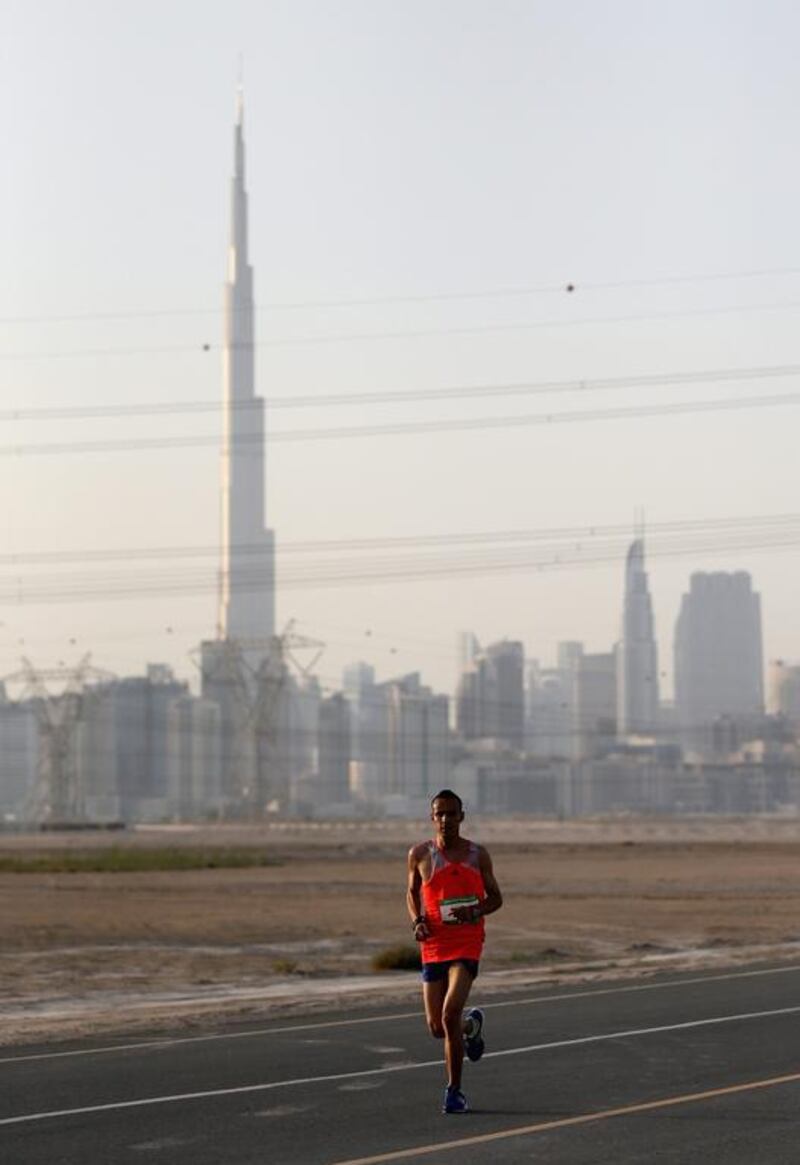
(506, 692)
(718, 654)
(242, 668)
(334, 750)
(417, 741)
(247, 569)
(588, 683)
(637, 654)
(547, 711)
(490, 696)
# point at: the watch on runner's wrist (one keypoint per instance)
(418, 921)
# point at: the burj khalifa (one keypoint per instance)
(247, 568)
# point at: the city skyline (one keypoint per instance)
(583, 737)
(388, 265)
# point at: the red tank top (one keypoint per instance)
(452, 884)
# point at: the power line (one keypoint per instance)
(462, 424)
(407, 334)
(569, 535)
(402, 396)
(407, 567)
(422, 297)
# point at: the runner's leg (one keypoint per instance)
(459, 984)
(433, 995)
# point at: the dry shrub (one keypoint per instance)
(400, 958)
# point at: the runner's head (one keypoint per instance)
(447, 813)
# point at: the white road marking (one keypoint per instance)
(557, 997)
(242, 1090)
(361, 1085)
(364, 1074)
(644, 1031)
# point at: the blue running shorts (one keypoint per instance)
(435, 972)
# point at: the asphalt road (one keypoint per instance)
(680, 1069)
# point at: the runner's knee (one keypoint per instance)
(436, 1028)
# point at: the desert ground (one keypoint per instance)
(141, 951)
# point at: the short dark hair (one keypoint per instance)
(448, 794)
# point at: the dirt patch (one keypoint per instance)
(98, 951)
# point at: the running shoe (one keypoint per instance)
(473, 1039)
(454, 1101)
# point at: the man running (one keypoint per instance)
(451, 887)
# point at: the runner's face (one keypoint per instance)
(447, 817)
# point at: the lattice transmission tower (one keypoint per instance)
(58, 796)
(250, 679)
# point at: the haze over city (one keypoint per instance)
(398, 442)
(557, 204)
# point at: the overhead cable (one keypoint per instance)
(421, 297)
(461, 424)
(312, 340)
(401, 396)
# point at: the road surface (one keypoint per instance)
(683, 1068)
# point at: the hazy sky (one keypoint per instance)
(426, 179)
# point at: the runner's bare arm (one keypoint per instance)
(413, 892)
(494, 899)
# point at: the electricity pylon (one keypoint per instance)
(250, 680)
(58, 795)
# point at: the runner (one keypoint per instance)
(451, 887)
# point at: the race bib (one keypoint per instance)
(448, 905)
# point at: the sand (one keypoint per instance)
(135, 952)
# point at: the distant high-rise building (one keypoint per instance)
(490, 696)
(240, 665)
(194, 758)
(469, 700)
(467, 648)
(400, 739)
(784, 691)
(568, 653)
(505, 695)
(718, 655)
(247, 575)
(547, 712)
(417, 738)
(294, 750)
(637, 654)
(593, 704)
(19, 758)
(357, 678)
(368, 727)
(334, 750)
(123, 746)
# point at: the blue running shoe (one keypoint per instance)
(473, 1039)
(454, 1101)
